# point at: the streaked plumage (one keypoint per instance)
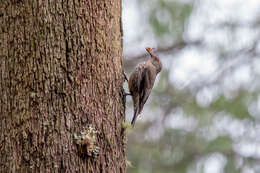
(141, 82)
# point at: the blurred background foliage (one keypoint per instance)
(203, 114)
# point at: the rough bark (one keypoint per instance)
(60, 71)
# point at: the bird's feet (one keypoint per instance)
(127, 94)
(125, 76)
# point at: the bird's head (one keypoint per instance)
(154, 59)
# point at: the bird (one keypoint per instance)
(141, 82)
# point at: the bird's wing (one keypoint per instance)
(145, 88)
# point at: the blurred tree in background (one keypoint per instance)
(204, 112)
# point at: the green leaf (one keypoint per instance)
(220, 144)
(237, 107)
(230, 167)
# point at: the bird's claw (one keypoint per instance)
(125, 76)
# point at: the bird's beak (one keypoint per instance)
(149, 50)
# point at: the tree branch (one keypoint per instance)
(129, 61)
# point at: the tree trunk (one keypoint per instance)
(61, 75)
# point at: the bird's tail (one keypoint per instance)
(136, 110)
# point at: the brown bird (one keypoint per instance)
(141, 82)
